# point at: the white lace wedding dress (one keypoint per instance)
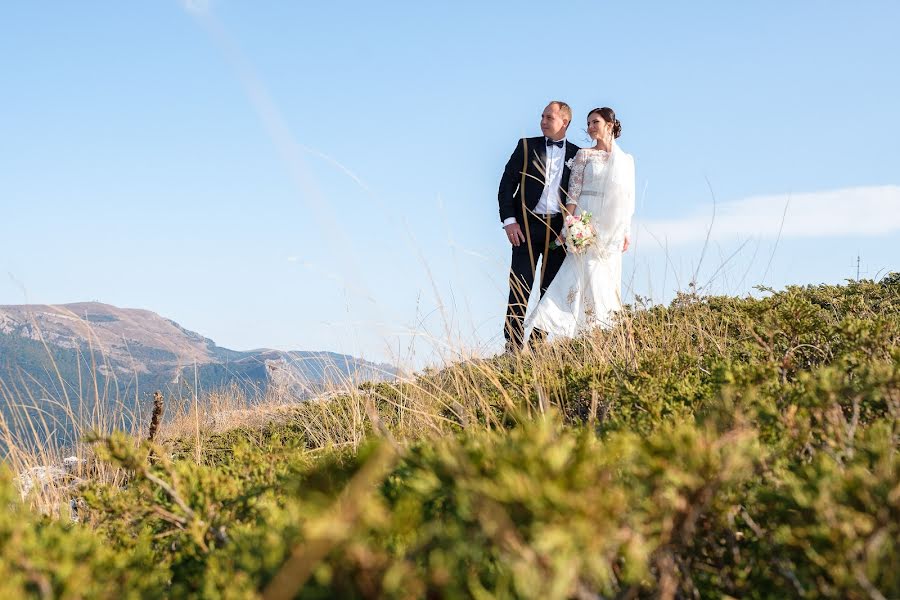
(587, 289)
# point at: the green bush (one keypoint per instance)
(718, 447)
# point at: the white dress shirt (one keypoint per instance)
(549, 201)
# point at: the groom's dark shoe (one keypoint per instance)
(537, 338)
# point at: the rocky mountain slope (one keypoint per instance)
(50, 347)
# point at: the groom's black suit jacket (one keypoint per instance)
(512, 191)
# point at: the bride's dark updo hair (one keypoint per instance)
(609, 115)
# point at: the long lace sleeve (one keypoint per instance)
(576, 179)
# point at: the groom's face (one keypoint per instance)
(553, 125)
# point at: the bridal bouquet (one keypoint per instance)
(580, 233)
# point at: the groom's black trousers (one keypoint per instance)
(539, 236)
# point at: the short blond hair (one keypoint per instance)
(564, 108)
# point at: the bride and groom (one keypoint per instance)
(546, 178)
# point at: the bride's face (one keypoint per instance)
(597, 128)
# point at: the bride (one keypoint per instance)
(587, 290)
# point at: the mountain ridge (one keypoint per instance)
(138, 346)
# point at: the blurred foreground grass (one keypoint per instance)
(717, 447)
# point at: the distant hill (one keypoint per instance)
(88, 350)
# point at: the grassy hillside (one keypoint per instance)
(718, 447)
(51, 391)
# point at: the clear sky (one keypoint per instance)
(323, 175)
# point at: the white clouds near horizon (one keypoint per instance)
(857, 211)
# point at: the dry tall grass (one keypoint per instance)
(43, 437)
(467, 391)
(573, 377)
(431, 403)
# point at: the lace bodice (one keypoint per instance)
(598, 160)
(586, 291)
(591, 189)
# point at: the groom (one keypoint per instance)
(531, 198)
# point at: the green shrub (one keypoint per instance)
(718, 447)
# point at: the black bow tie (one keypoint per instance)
(558, 144)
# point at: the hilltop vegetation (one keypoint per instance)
(717, 447)
(59, 363)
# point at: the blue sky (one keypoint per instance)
(323, 175)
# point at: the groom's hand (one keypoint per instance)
(626, 244)
(514, 234)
